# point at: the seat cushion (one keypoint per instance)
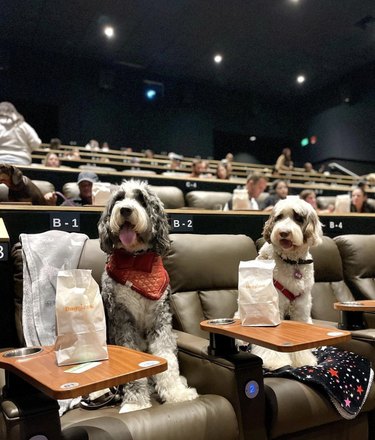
(206, 418)
(293, 407)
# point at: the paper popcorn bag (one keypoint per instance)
(258, 300)
(80, 318)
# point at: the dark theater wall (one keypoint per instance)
(88, 100)
(79, 99)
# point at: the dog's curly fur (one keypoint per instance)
(133, 320)
(292, 228)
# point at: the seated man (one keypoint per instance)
(256, 183)
(85, 181)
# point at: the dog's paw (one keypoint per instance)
(302, 358)
(129, 407)
(180, 394)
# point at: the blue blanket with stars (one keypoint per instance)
(345, 376)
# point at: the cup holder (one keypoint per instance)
(221, 321)
(24, 351)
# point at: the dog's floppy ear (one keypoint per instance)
(160, 227)
(15, 175)
(313, 230)
(105, 236)
(268, 226)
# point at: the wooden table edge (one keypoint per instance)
(342, 336)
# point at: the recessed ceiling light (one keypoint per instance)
(218, 58)
(109, 32)
(301, 79)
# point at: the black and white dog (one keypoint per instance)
(133, 231)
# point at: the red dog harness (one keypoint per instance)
(291, 296)
(144, 273)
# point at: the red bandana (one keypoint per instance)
(143, 273)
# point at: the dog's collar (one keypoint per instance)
(143, 273)
(299, 261)
(290, 295)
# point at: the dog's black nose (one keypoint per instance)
(284, 234)
(125, 211)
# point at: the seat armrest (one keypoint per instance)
(237, 377)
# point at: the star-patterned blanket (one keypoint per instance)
(345, 376)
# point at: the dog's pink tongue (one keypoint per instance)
(127, 234)
(286, 244)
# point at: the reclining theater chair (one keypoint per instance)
(208, 417)
(204, 277)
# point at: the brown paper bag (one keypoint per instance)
(258, 300)
(80, 318)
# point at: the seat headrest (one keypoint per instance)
(204, 262)
(207, 199)
(327, 261)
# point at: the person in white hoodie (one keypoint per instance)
(17, 137)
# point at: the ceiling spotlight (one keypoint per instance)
(109, 32)
(218, 58)
(301, 79)
(252, 138)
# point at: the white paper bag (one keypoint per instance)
(342, 203)
(258, 300)
(101, 193)
(80, 318)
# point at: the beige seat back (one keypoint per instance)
(329, 284)
(207, 199)
(203, 271)
(171, 196)
(358, 257)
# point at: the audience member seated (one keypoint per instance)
(55, 144)
(284, 161)
(17, 137)
(309, 196)
(308, 167)
(92, 145)
(73, 154)
(256, 183)
(85, 181)
(359, 202)
(229, 162)
(105, 146)
(149, 154)
(197, 168)
(279, 191)
(222, 171)
(51, 160)
(206, 172)
(175, 161)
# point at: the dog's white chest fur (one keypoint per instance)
(297, 279)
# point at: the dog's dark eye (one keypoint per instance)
(298, 218)
(278, 217)
(140, 198)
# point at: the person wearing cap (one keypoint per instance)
(85, 181)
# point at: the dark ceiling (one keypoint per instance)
(265, 43)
